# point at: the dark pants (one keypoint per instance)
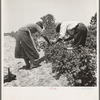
(80, 35)
(24, 47)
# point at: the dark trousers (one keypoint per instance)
(80, 35)
(24, 47)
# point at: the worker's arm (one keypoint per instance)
(46, 38)
(69, 38)
(61, 34)
(39, 29)
(59, 40)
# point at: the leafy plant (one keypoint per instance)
(78, 65)
(91, 41)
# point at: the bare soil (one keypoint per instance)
(41, 76)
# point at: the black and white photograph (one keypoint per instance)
(50, 43)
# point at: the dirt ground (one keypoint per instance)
(41, 76)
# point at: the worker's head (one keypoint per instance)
(71, 31)
(40, 24)
(58, 27)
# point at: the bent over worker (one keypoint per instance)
(72, 30)
(25, 46)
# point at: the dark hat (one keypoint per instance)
(40, 24)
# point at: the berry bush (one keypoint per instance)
(78, 65)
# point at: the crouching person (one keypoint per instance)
(25, 45)
(72, 30)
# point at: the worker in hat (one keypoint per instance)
(72, 30)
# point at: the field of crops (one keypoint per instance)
(77, 67)
(41, 76)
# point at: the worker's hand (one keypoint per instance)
(53, 41)
(70, 48)
(41, 35)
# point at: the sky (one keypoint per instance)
(18, 13)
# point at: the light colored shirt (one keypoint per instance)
(68, 25)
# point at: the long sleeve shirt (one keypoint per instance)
(32, 27)
(67, 26)
(25, 42)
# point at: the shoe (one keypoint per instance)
(25, 67)
(34, 66)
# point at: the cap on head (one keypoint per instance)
(72, 25)
(40, 24)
